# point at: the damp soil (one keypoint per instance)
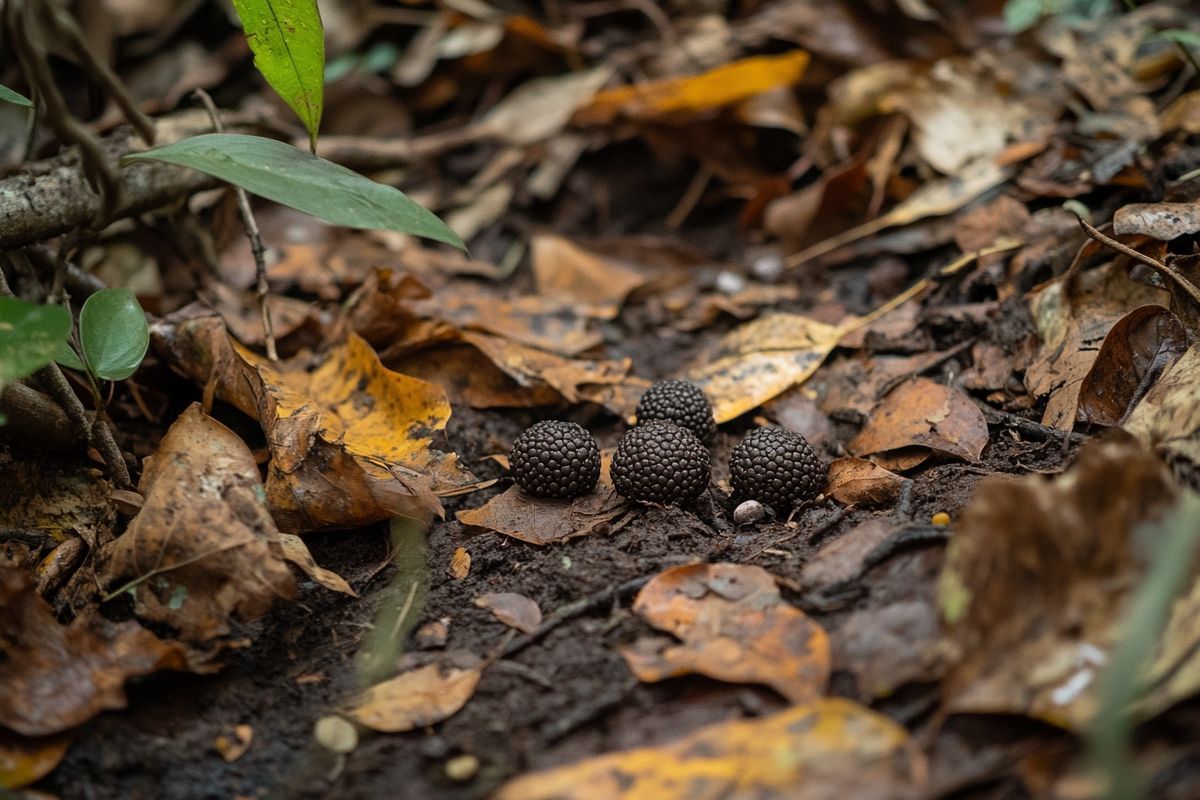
(560, 698)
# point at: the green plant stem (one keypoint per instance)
(1124, 680)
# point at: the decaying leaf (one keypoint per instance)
(676, 97)
(830, 748)
(1036, 581)
(1168, 418)
(856, 481)
(570, 274)
(460, 563)
(539, 521)
(515, 610)
(842, 559)
(762, 359)
(1164, 221)
(351, 442)
(925, 414)
(729, 623)
(885, 648)
(203, 548)
(54, 677)
(416, 698)
(1136, 352)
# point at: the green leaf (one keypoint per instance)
(29, 336)
(1020, 15)
(1178, 36)
(9, 96)
(288, 41)
(277, 171)
(67, 357)
(113, 333)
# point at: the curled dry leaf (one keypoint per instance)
(1072, 317)
(1168, 418)
(296, 552)
(541, 521)
(762, 359)
(676, 98)
(572, 275)
(24, 761)
(925, 414)
(54, 677)
(204, 547)
(1036, 583)
(729, 623)
(825, 749)
(1136, 352)
(514, 610)
(351, 442)
(856, 481)
(1163, 221)
(416, 698)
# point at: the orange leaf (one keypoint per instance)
(733, 626)
(416, 698)
(709, 91)
(925, 414)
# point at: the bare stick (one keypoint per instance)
(262, 290)
(1153, 263)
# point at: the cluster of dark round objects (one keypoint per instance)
(663, 460)
(776, 467)
(680, 402)
(660, 462)
(554, 458)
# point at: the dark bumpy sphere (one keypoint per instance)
(680, 402)
(776, 467)
(553, 458)
(660, 462)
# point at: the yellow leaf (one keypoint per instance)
(830, 748)
(416, 698)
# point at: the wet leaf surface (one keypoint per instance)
(729, 623)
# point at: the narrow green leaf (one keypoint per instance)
(9, 96)
(1178, 36)
(113, 333)
(288, 41)
(29, 336)
(67, 357)
(277, 171)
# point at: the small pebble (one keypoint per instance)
(940, 518)
(730, 282)
(749, 512)
(336, 734)
(768, 268)
(461, 769)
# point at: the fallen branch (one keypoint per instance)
(52, 197)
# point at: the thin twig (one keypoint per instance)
(575, 609)
(1153, 263)
(262, 290)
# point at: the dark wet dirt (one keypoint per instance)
(564, 697)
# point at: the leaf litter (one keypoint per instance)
(861, 226)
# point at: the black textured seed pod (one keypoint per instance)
(660, 462)
(554, 458)
(776, 467)
(680, 402)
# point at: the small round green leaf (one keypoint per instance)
(67, 357)
(30, 335)
(113, 333)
